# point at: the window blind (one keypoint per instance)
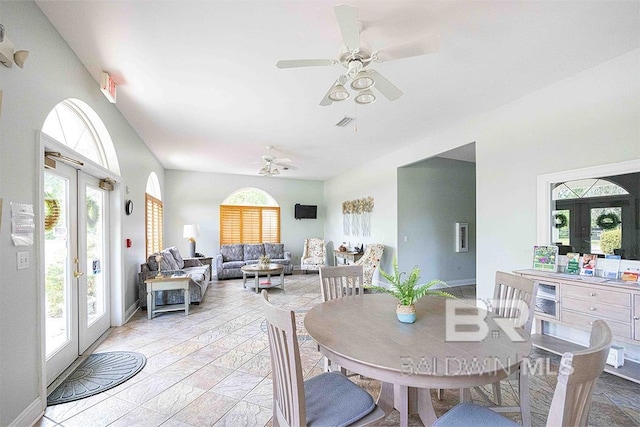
(153, 224)
(249, 224)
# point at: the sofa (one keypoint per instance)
(233, 257)
(172, 261)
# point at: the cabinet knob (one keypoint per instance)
(592, 308)
(636, 318)
(593, 294)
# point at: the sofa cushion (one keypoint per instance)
(253, 252)
(176, 255)
(233, 264)
(232, 252)
(274, 250)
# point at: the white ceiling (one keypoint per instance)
(198, 81)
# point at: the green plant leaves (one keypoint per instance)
(407, 292)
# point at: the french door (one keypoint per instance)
(76, 265)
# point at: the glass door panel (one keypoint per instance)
(93, 239)
(61, 298)
(606, 230)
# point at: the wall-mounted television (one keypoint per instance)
(305, 211)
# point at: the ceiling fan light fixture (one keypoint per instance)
(338, 93)
(365, 97)
(362, 81)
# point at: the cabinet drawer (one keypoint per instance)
(595, 308)
(596, 294)
(583, 321)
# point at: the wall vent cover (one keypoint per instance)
(344, 121)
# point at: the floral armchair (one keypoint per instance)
(313, 255)
(370, 261)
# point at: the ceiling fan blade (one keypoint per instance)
(407, 50)
(347, 17)
(388, 89)
(295, 63)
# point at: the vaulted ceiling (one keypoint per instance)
(198, 80)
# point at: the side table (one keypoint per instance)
(167, 283)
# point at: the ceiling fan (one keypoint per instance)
(270, 164)
(356, 56)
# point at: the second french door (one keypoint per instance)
(76, 265)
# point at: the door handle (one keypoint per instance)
(77, 273)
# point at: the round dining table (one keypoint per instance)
(362, 334)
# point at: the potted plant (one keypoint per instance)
(264, 260)
(408, 291)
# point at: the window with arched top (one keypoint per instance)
(76, 125)
(154, 215)
(589, 215)
(249, 215)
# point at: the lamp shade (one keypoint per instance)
(191, 230)
(365, 97)
(362, 80)
(338, 93)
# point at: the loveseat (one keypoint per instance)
(172, 261)
(232, 258)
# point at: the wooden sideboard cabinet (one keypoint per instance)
(576, 301)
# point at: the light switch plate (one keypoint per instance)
(23, 260)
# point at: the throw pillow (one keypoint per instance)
(253, 252)
(274, 250)
(176, 255)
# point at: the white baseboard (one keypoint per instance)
(461, 282)
(131, 311)
(31, 414)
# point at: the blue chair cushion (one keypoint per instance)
(333, 400)
(468, 414)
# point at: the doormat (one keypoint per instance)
(98, 373)
(301, 332)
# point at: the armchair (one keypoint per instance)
(313, 255)
(370, 261)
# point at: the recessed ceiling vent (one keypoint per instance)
(344, 122)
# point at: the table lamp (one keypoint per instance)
(191, 231)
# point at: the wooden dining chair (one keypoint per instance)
(301, 403)
(340, 281)
(577, 376)
(513, 298)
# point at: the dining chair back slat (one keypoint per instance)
(341, 281)
(514, 298)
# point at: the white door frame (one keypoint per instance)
(46, 143)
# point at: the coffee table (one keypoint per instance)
(257, 270)
(167, 283)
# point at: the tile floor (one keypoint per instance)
(212, 368)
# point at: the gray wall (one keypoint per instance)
(432, 196)
(195, 198)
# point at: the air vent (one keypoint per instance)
(344, 122)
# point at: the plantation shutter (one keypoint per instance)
(249, 224)
(153, 225)
(271, 225)
(230, 225)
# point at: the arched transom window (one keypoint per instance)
(249, 215)
(75, 124)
